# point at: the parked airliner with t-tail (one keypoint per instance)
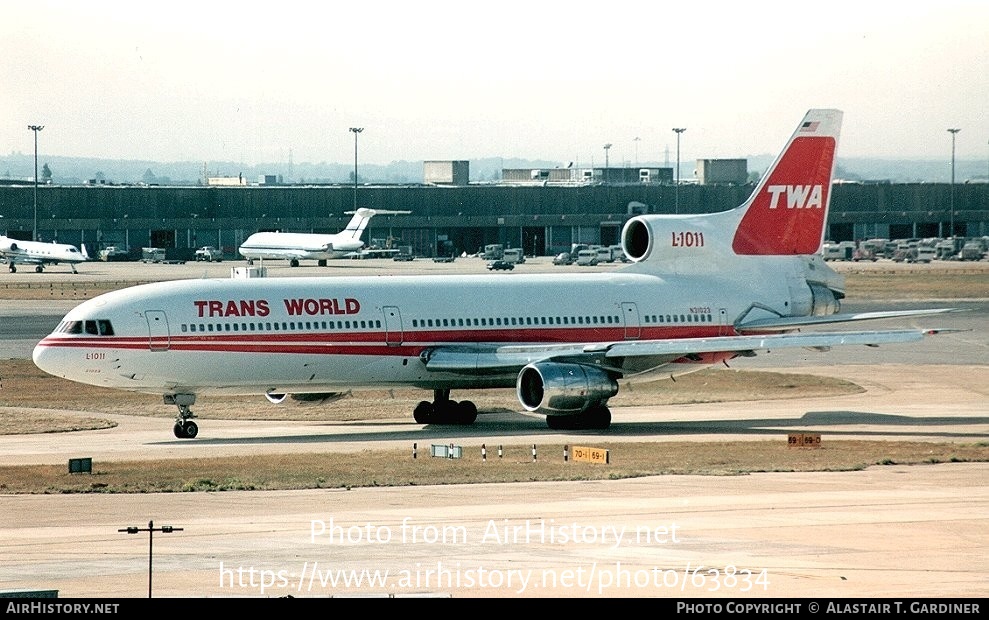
(294, 247)
(699, 290)
(39, 254)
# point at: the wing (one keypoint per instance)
(488, 358)
(20, 258)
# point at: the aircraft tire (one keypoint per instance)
(561, 422)
(423, 412)
(597, 417)
(466, 412)
(186, 430)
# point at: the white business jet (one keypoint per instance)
(39, 254)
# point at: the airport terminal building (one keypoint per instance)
(536, 213)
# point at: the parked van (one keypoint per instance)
(513, 255)
(493, 251)
(587, 257)
(925, 254)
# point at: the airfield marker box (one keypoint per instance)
(446, 452)
(81, 466)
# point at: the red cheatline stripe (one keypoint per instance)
(364, 343)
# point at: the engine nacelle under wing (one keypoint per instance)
(305, 397)
(556, 388)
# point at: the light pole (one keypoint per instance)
(951, 218)
(151, 529)
(676, 191)
(35, 129)
(607, 147)
(636, 140)
(355, 130)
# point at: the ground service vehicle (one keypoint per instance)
(209, 254)
(513, 255)
(587, 257)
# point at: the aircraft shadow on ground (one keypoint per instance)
(834, 423)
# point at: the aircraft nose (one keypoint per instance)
(46, 359)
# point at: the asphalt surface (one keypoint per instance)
(886, 531)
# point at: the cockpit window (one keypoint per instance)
(99, 327)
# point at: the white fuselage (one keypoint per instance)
(15, 251)
(299, 246)
(280, 335)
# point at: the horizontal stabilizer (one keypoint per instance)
(790, 322)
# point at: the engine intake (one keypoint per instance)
(558, 388)
(636, 239)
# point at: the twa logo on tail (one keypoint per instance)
(797, 196)
(786, 214)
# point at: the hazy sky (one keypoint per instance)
(257, 82)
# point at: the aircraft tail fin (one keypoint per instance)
(786, 213)
(361, 219)
(84, 252)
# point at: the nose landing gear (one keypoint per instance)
(184, 428)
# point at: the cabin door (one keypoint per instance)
(393, 326)
(158, 338)
(630, 316)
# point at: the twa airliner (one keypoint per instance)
(699, 290)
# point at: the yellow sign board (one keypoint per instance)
(591, 455)
(803, 440)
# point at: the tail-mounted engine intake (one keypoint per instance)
(563, 387)
(635, 239)
(675, 237)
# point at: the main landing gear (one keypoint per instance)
(596, 417)
(445, 411)
(184, 428)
